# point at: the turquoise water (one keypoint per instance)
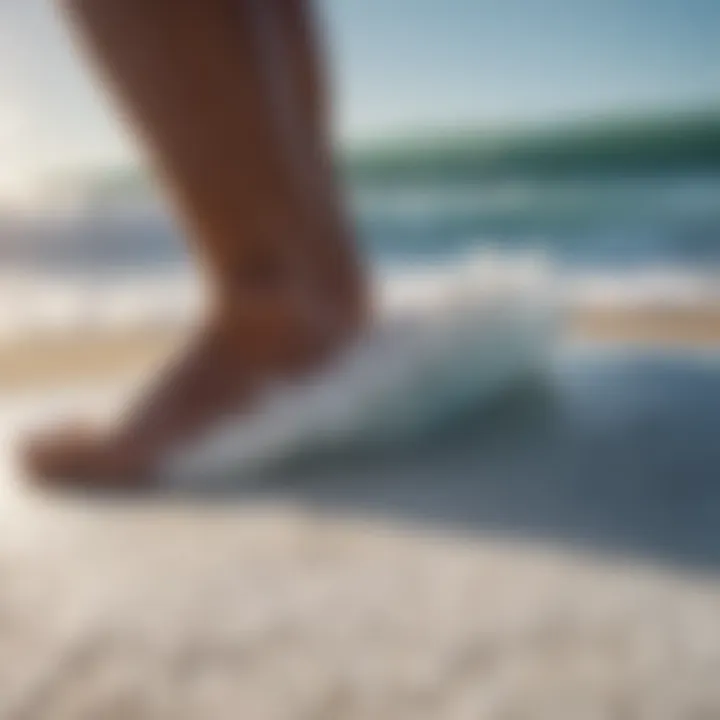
(626, 191)
(637, 147)
(615, 221)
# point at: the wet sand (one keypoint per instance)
(558, 557)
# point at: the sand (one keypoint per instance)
(697, 326)
(562, 562)
(275, 612)
(45, 361)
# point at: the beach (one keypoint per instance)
(284, 612)
(48, 361)
(559, 559)
(553, 556)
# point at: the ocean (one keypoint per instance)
(627, 212)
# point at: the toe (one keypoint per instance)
(58, 456)
(78, 456)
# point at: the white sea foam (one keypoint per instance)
(658, 287)
(40, 305)
(37, 305)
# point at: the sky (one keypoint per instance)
(398, 65)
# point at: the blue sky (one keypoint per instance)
(399, 64)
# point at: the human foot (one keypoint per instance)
(226, 365)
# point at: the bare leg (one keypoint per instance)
(205, 83)
(301, 52)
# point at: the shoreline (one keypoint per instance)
(44, 362)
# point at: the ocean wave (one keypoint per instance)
(611, 147)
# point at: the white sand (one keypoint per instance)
(270, 611)
(263, 609)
